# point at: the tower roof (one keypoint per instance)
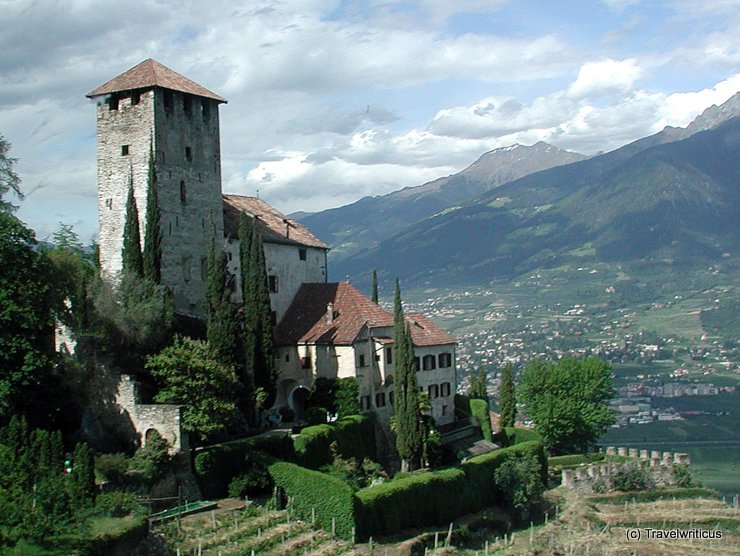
(151, 73)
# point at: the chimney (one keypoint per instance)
(329, 313)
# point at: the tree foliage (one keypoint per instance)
(152, 255)
(258, 340)
(507, 398)
(519, 478)
(568, 402)
(133, 263)
(407, 415)
(478, 388)
(26, 319)
(9, 180)
(189, 375)
(223, 327)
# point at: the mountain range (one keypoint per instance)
(673, 197)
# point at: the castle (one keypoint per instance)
(321, 329)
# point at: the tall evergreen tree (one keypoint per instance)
(407, 415)
(374, 287)
(133, 262)
(258, 340)
(153, 234)
(507, 398)
(222, 317)
(478, 385)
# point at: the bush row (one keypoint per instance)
(354, 435)
(437, 497)
(216, 466)
(314, 494)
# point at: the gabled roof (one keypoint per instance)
(307, 318)
(272, 224)
(151, 73)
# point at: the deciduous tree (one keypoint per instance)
(568, 402)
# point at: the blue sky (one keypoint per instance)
(331, 101)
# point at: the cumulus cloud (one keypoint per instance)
(605, 77)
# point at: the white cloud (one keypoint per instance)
(605, 77)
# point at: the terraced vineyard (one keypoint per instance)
(249, 530)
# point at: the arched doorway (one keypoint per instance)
(297, 401)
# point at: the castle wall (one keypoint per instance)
(184, 132)
(284, 263)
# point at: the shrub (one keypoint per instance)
(518, 435)
(632, 476)
(683, 478)
(481, 412)
(354, 435)
(216, 466)
(315, 416)
(151, 460)
(118, 504)
(256, 479)
(519, 478)
(112, 467)
(313, 492)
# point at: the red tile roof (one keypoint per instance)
(151, 73)
(424, 332)
(306, 320)
(274, 226)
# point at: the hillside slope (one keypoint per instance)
(363, 224)
(652, 200)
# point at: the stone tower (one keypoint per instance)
(152, 107)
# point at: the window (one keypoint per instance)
(135, 99)
(183, 194)
(302, 254)
(206, 106)
(417, 364)
(389, 356)
(287, 357)
(445, 389)
(272, 281)
(433, 391)
(124, 150)
(429, 362)
(188, 154)
(109, 203)
(305, 362)
(365, 402)
(187, 263)
(187, 104)
(444, 410)
(380, 399)
(113, 102)
(445, 360)
(362, 360)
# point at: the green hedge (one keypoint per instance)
(518, 435)
(216, 466)
(574, 460)
(481, 412)
(431, 498)
(668, 493)
(354, 435)
(436, 497)
(462, 406)
(310, 490)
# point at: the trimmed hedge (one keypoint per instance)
(431, 498)
(574, 460)
(481, 412)
(216, 466)
(310, 490)
(354, 435)
(437, 497)
(518, 435)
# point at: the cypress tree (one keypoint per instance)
(408, 419)
(83, 475)
(258, 340)
(507, 398)
(222, 324)
(374, 287)
(153, 234)
(132, 259)
(478, 386)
